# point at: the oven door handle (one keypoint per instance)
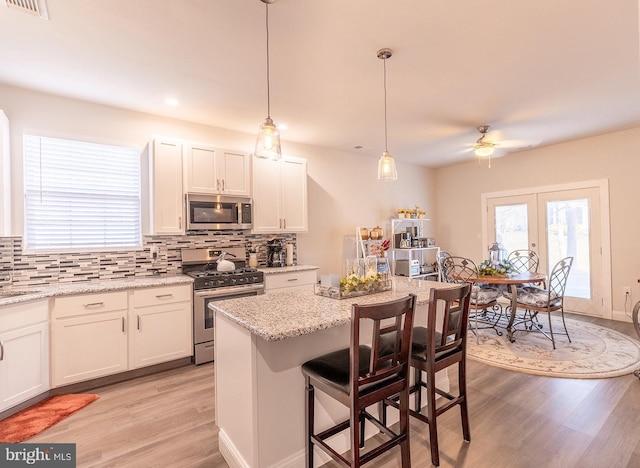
(228, 291)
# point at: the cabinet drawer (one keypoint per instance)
(22, 315)
(292, 279)
(89, 304)
(164, 295)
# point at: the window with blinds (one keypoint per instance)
(80, 196)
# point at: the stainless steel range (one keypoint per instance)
(210, 285)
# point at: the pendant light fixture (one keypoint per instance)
(268, 141)
(386, 164)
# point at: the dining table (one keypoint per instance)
(512, 281)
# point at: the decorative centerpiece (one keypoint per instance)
(415, 213)
(353, 285)
(496, 268)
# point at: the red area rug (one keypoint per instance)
(35, 419)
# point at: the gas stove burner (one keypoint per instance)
(215, 273)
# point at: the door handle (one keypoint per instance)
(93, 304)
(1, 351)
(138, 317)
(162, 296)
(223, 185)
(124, 324)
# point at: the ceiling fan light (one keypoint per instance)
(484, 150)
(387, 167)
(268, 141)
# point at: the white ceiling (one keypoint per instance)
(537, 71)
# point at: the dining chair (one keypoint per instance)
(441, 261)
(524, 260)
(483, 298)
(439, 345)
(551, 299)
(360, 376)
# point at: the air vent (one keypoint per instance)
(31, 7)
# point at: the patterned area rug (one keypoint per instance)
(594, 352)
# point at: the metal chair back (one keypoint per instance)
(524, 260)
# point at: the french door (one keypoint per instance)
(556, 224)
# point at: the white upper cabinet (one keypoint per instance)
(5, 177)
(211, 170)
(166, 194)
(280, 195)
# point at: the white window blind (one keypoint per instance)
(80, 196)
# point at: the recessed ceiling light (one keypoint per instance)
(171, 101)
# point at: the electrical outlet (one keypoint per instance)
(153, 251)
(627, 292)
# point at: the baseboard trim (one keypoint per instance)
(87, 385)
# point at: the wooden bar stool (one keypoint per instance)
(433, 351)
(360, 376)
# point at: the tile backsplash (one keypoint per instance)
(22, 269)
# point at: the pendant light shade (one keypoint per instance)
(386, 164)
(387, 167)
(268, 141)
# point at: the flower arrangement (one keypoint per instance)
(416, 212)
(355, 283)
(501, 268)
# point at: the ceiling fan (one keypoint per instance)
(486, 145)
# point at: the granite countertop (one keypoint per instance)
(286, 269)
(277, 316)
(16, 294)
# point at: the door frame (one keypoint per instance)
(605, 234)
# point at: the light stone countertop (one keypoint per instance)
(29, 293)
(286, 269)
(278, 315)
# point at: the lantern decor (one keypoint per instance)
(497, 265)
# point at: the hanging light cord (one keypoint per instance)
(266, 5)
(384, 63)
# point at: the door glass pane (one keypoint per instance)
(568, 236)
(512, 226)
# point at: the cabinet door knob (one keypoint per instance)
(124, 324)
(138, 317)
(1, 351)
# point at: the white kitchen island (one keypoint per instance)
(260, 344)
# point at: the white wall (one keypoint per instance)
(613, 156)
(343, 190)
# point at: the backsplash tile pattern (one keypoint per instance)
(42, 269)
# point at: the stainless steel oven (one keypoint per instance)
(204, 318)
(211, 285)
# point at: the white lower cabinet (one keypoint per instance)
(89, 336)
(161, 325)
(290, 280)
(24, 352)
(95, 335)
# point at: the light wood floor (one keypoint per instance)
(517, 420)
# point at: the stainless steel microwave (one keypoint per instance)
(218, 212)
